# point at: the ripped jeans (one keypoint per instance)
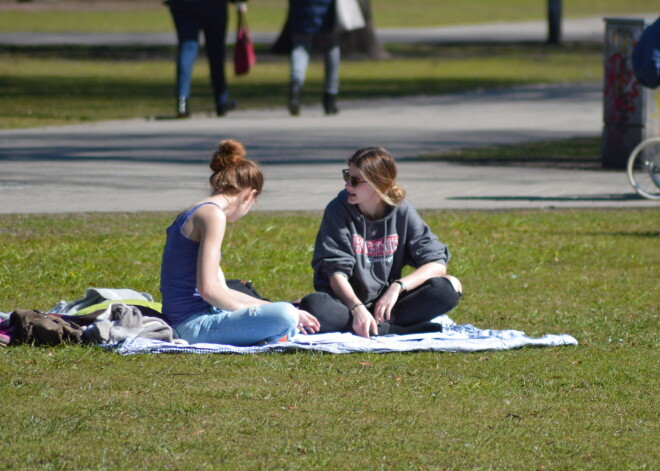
(266, 323)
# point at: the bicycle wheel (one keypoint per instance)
(644, 168)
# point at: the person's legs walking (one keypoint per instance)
(332, 58)
(300, 53)
(213, 17)
(187, 31)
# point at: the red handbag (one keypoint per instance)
(244, 56)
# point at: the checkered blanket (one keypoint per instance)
(453, 338)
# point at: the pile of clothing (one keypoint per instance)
(101, 316)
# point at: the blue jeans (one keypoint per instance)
(189, 19)
(302, 49)
(266, 323)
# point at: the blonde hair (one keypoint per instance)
(232, 172)
(379, 169)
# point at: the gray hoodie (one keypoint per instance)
(371, 254)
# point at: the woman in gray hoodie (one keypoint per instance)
(367, 235)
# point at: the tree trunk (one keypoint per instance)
(363, 42)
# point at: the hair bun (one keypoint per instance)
(396, 194)
(229, 153)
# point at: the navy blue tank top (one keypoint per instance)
(178, 273)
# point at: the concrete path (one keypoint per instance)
(163, 164)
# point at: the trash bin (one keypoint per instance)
(631, 112)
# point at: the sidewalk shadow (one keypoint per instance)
(172, 117)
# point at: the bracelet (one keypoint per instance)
(400, 283)
(355, 307)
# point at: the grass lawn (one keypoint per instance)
(592, 274)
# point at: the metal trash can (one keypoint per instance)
(631, 112)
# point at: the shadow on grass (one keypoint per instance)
(580, 153)
(475, 49)
(638, 234)
(578, 198)
(421, 50)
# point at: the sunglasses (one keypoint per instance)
(354, 181)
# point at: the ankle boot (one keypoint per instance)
(226, 106)
(182, 110)
(330, 103)
(294, 99)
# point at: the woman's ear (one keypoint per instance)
(252, 194)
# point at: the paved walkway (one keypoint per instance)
(161, 164)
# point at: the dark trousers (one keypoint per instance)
(435, 297)
(189, 18)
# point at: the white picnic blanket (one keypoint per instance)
(453, 338)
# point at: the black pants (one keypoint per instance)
(435, 297)
(189, 18)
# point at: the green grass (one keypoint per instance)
(269, 15)
(46, 90)
(578, 152)
(589, 273)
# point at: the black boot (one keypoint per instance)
(182, 110)
(294, 99)
(223, 108)
(330, 103)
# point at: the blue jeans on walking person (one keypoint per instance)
(189, 18)
(301, 52)
(265, 323)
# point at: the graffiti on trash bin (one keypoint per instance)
(621, 86)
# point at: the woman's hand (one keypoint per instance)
(307, 324)
(363, 322)
(383, 308)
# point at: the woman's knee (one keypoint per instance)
(455, 282)
(286, 312)
(448, 290)
(314, 302)
(330, 312)
(445, 283)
